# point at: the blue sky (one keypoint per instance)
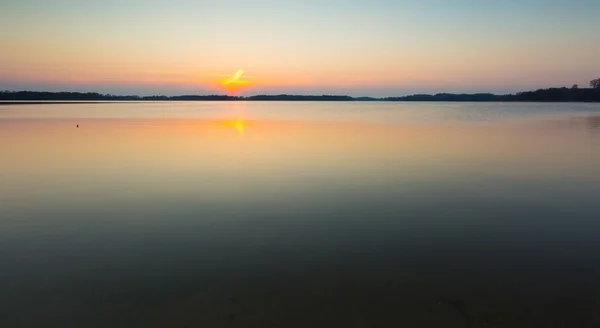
(355, 47)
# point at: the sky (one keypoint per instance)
(358, 48)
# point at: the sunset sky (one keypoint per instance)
(370, 48)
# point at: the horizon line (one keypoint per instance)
(232, 97)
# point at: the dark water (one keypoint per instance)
(300, 215)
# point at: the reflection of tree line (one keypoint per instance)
(588, 122)
(593, 123)
(573, 94)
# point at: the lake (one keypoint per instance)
(300, 214)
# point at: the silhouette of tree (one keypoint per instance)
(595, 84)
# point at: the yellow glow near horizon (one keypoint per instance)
(292, 48)
(235, 83)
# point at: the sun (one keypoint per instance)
(236, 83)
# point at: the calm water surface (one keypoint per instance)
(300, 214)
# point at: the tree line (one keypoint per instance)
(542, 95)
(93, 96)
(564, 94)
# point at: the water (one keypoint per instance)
(284, 214)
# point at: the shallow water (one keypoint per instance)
(296, 214)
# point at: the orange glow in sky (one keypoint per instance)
(235, 83)
(291, 47)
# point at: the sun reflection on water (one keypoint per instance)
(238, 124)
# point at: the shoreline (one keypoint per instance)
(50, 102)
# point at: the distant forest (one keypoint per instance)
(541, 95)
(573, 94)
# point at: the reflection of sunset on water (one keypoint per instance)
(271, 186)
(213, 145)
(238, 124)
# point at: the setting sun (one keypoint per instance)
(235, 83)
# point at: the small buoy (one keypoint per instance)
(77, 125)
